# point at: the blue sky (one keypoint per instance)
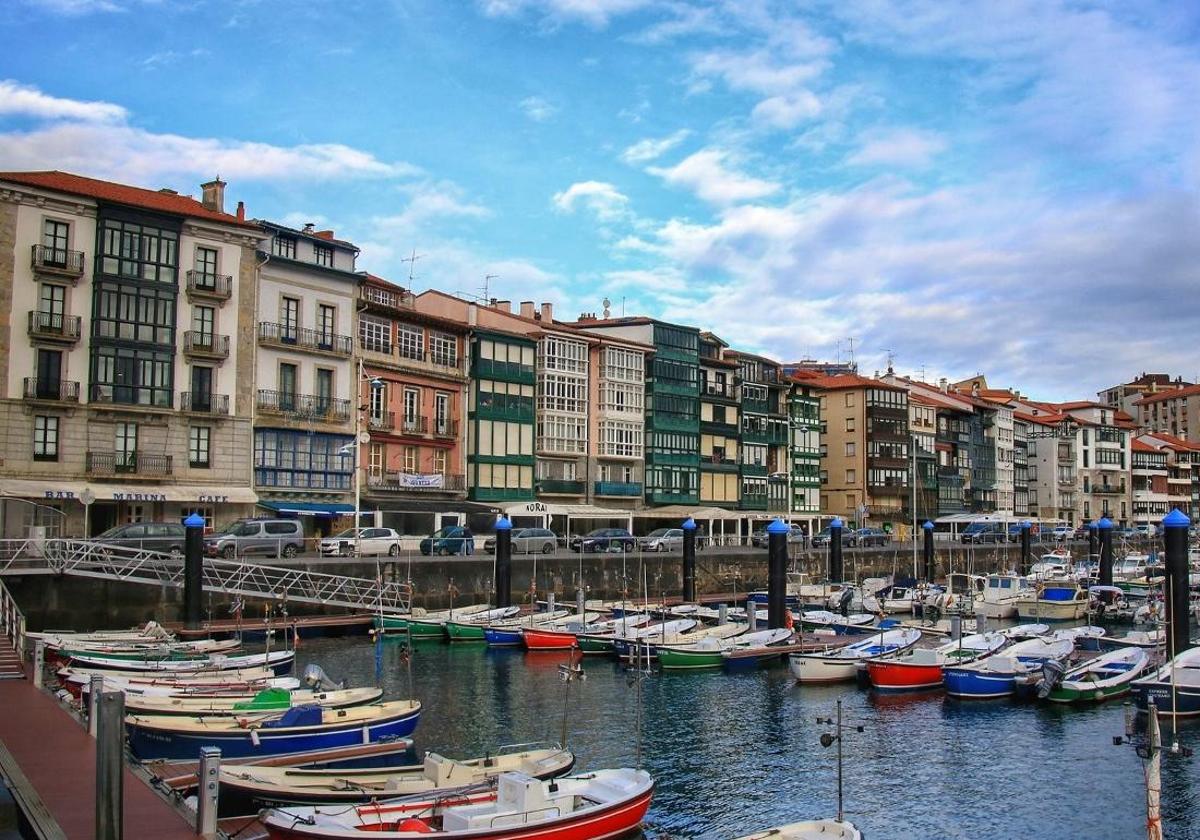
(1000, 187)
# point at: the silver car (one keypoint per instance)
(527, 541)
(274, 537)
(662, 539)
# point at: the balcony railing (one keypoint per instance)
(416, 483)
(445, 428)
(128, 463)
(304, 406)
(54, 326)
(414, 425)
(1109, 489)
(386, 298)
(305, 339)
(384, 421)
(203, 284)
(57, 390)
(57, 260)
(617, 488)
(201, 403)
(559, 486)
(724, 390)
(206, 344)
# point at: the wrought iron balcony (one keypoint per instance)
(416, 483)
(52, 326)
(55, 390)
(201, 403)
(303, 406)
(1109, 489)
(208, 345)
(445, 428)
(127, 463)
(374, 297)
(214, 286)
(283, 335)
(383, 421)
(57, 261)
(414, 425)
(559, 487)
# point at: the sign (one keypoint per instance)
(432, 481)
(87, 497)
(536, 507)
(217, 500)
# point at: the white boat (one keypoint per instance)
(959, 595)
(825, 618)
(1026, 631)
(151, 631)
(1000, 594)
(267, 700)
(809, 830)
(1086, 635)
(901, 599)
(1174, 687)
(997, 675)
(1054, 600)
(1150, 639)
(211, 686)
(841, 664)
(1108, 675)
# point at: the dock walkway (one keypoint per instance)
(50, 760)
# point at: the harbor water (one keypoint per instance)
(736, 752)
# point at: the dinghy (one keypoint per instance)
(1148, 639)
(710, 652)
(607, 643)
(470, 628)
(240, 681)
(151, 631)
(809, 830)
(648, 645)
(997, 675)
(508, 633)
(431, 625)
(841, 664)
(540, 638)
(1174, 687)
(280, 661)
(1108, 675)
(921, 668)
(297, 729)
(591, 806)
(1085, 637)
(271, 699)
(824, 619)
(1021, 632)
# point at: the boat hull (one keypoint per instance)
(677, 659)
(458, 631)
(595, 644)
(502, 636)
(887, 675)
(547, 639)
(1052, 610)
(426, 629)
(969, 684)
(1180, 701)
(1069, 694)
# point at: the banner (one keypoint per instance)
(432, 481)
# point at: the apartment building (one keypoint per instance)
(804, 406)
(305, 375)
(1103, 447)
(1124, 397)
(720, 425)
(1149, 479)
(125, 353)
(1183, 471)
(1052, 460)
(1174, 411)
(922, 422)
(765, 471)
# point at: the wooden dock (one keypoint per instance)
(49, 762)
(303, 625)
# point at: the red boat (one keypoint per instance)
(536, 639)
(591, 806)
(921, 668)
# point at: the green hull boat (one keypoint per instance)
(680, 658)
(459, 631)
(594, 644)
(419, 629)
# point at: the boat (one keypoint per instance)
(1085, 636)
(957, 597)
(243, 681)
(279, 661)
(542, 638)
(809, 830)
(921, 668)
(647, 646)
(398, 622)
(256, 785)
(590, 806)
(1148, 639)
(507, 633)
(996, 675)
(63, 648)
(1019, 632)
(664, 631)
(710, 652)
(151, 631)
(1000, 594)
(431, 625)
(1108, 675)
(297, 729)
(835, 621)
(270, 699)
(903, 596)
(841, 664)
(1174, 687)
(1054, 600)
(470, 628)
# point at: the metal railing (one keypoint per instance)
(202, 403)
(307, 406)
(59, 390)
(12, 621)
(57, 259)
(384, 421)
(414, 425)
(209, 285)
(445, 428)
(208, 344)
(413, 482)
(127, 463)
(306, 339)
(399, 299)
(55, 325)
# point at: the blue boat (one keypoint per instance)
(502, 636)
(997, 675)
(1174, 687)
(298, 729)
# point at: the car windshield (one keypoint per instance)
(348, 534)
(231, 528)
(448, 531)
(659, 532)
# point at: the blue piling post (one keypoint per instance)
(689, 560)
(1175, 539)
(777, 534)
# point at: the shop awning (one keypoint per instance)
(682, 512)
(573, 511)
(299, 508)
(65, 490)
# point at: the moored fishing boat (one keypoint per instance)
(431, 625)
(267, 700)
(648, 645)
(809, 830)
(1174, 687)
(840, 664)
(1020, 632)
(824, 619)
(921, 668)
(999, 596)
(1085, 636)
(279, 661)
(1148, 639)
(65, 648)
(297, 729)
(540, 638)
(710, 652)
(1054, 600)
(507, 633)
(591, 806)
(663, 632)
(151, 631)
(470, 628)
(997, 675)
(1108, 675)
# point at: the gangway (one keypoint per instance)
(84, 558)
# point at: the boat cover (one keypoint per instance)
(307, 715)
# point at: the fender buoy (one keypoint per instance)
(415, 825)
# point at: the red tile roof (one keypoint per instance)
(1139, 446)
(842, 381)
(1169, 394)
(1173, 442)
(162, 202)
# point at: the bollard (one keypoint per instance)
(930, 561)
(689, 561)
(722, 614)
(956, 627)
(751, 615)
(39, 663)
(503, 597)
(95, 689)
(835, 551)
(193, 570)
(208, 792)
(110, 742)
(777, 534)
(1026, 551)
(1104, 527)
(1175, 537)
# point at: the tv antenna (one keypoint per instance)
(891, 358)
(412, 264)
(487, 285)
(852, 363)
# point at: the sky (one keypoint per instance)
(1007, 188)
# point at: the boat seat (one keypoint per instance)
(437, 769)
(520, 792)
(1002, 665)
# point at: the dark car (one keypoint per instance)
(869, 536)
(166, 537)
(1081, 533)
(453, 539)
(984, 532)
(795, 536)
(822, 537)
(604, 539)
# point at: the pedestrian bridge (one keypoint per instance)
(85, 558)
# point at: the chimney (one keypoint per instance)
(547, 311)
(944, 385)
(526, 309)
(472, 315)
(241, 211)
(309, 229)
(324, 234)
(586, 316)
(214, 195)
(504, 306)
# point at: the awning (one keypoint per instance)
(682, 512)
(573, 511)
(298, 508)
(59, 490)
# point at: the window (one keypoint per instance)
(378, 404)
(849, 399)
(562, 434)
(326, 324)
(410, 341)
(45, 438)
(48, 382)
(138, 251)
(441, 413)
(559, 392)
(205, 513)
(302, 459)
(56, 238)
(851, 476)
(287, 381)
(201, 390)
(563, 355)
(198, 445)
(849, 424)
(624, 365)
(285, 246)
(133, 313)
(125, 445)
(412, 405)
(324, 388)
(443, 349)
(375, 334)
(439, 461)
(627, 397)
(323, 255)
(132, 376)
(203, 324)
(375, 459)
(410, 459)
(204, 263)
(289, 318)
(52, 307)
(624, 439)
(850, 449)
(851, 502)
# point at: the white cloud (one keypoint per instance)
(757, 72)
(898, 147)
(706, 174)
(603, 199)
(78, 7)
(25, 100)
(537, 108)
(652, 148)
(595, 13)
(787, 111)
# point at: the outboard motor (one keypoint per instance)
(1052, 675)
(316, 678)
(844, 601)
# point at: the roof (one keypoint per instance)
(842, 381)
(323, 235)
(1040, 419)
(1078, 404)
(1173, 442)
(1171, 394)
(161, 202)
(1139, 446)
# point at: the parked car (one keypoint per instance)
(1063, 533)
(822, 537)
(604, 539)
(166, 537)
(662, 539)
(366, 541)
(527, 541)
(984, 532)
(870, 536)
(1147, 530)
(1081, 533)
(453, 539)
(273, 537)
(796, 536)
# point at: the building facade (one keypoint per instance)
(720, 425)
(1172, 411)
(805, 455)
(1150, 488)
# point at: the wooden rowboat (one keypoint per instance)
(268, 700)
(810, 830)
